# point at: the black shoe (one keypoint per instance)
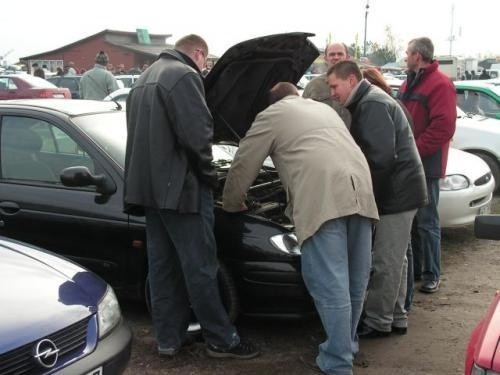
(244, 350)
(365, 332)
(430, 286)
(399, 330)
(172, 352)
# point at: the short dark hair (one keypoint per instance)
(344, 69)
(102, 58)
(280, 90)
(423, 46)
(191, 42)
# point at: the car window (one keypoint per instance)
(7, 84)
(36, 150)
(488, 104)
(70, 83)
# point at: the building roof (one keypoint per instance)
(123, 39)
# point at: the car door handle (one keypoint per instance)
(9, 208)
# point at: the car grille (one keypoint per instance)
(20, 361)
(483, 179)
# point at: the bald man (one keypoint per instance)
(318, 88)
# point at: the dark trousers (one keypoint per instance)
(183, 268)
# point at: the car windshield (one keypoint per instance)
(109, 131)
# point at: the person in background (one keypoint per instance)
(34, 67)
(331, 204)
(71, 69)
(39, 72)
(120, 69)
(484, 75)
(98, 83)
(380, 128)
(429, 95)
(318, 88)
(60, 71)
(169, 177)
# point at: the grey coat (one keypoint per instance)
(319, 90)
(169, 144)
(323, 171)
(97, 83)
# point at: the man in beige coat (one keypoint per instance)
(330, 202)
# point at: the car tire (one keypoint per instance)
(228, 294)
(494, 167)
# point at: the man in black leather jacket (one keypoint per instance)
(169, 177)
(380, 128)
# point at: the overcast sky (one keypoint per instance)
(223, 23)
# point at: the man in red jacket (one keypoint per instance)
(429, 96)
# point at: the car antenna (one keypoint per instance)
(118, 105)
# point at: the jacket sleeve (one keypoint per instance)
(253, 150)
(193, 125)
(111, 83)
(442, 117)
(376, 136)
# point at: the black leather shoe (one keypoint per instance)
(430, 286)
(365, 332)
(399, 330)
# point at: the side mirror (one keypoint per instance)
(487, 227)
(81, 176)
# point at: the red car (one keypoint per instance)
(483, 351)
(25, 86)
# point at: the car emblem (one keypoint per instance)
(46, 353)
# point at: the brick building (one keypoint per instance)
(129, 48)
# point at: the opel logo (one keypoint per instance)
(46, 353)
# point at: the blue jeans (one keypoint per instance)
(336, 263)
(410, 279)
(427, 237)
(183, 266)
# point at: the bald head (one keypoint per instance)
(280, 90)
(336, 52)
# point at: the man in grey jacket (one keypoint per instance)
(169, 177)
(318, 88)
(98, 83)
(380, 128)
(330, 201)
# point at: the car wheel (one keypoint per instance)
(494, 166)
(228, 294)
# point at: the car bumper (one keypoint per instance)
(460, 207)
(110, 356)
(273, 289)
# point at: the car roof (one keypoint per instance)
(68, 107)
(490, 85)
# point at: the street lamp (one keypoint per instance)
(366, 24)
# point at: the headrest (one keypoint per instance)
(22, 139)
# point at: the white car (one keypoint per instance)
(481, 136)
(466, 190)
(119, 95)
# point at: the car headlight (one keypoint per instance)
(287, 243)
(108, 312)
(453, 182)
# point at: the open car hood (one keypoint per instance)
(238, 85)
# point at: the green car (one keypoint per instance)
(479, 97)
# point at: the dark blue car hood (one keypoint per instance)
(41, 293)
(237, 87)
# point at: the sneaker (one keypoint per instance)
(430, 286)
(399, 330)
(171, 352)
(244, 350)
(365, 332)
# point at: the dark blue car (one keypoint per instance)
(57, 317)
